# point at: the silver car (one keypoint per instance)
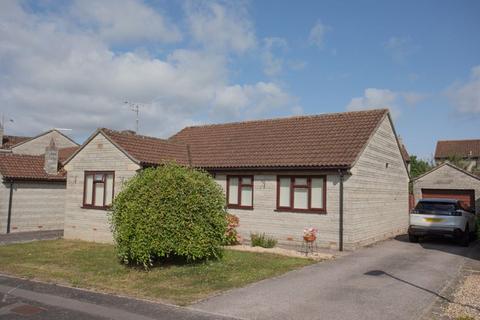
(448, 217)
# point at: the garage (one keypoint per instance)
(449, 181)
(466, 196)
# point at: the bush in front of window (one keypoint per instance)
(231, 235)
(261, 240)
(169, 212)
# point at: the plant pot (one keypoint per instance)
(310, 238)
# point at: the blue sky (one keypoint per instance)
(72, 64)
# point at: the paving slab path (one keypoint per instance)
(394, 279)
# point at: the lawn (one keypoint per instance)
(94, 266)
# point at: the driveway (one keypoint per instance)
(394, 279)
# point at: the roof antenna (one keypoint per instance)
(135, 107)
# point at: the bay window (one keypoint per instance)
(98, 189)
(240, 192)
(301, 193)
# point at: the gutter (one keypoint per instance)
(10, 200)
(340, 209)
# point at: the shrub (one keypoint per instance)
(231, 235)
(261, 240)
(169, 212)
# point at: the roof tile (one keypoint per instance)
(26, 167)
(327, 141)
(462, 148)
(148, 150)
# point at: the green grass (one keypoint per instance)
(95, 266)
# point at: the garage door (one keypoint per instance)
(467, 196)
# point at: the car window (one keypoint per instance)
(434, 207)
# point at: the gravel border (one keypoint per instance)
(318, 256)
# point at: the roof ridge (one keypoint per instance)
(286, 118)
(11, 154)
(458, 140)
(120, 132)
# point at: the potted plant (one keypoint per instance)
(310, 234)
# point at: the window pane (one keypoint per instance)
(247, 196)
(284, 192)
(300, 198)
(109, 189)
(301, 181)
(246, 180)
(317, 193)
(88, 189)
(233, 191)
(99, 190)
(99, 177)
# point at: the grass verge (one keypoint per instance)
(95, 266)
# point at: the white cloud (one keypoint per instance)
(466, 97)
(129, 22)
(57, 76)
(273, 65)
(374, 98)
(317, 34)
(221, 27)
(413, 98)
(400, 48)
(252, 100)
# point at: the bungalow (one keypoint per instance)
(342, 173)
(32, 182)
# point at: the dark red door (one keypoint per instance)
(466, 196)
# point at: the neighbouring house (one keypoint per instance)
(342, 173)
(32, 190)
(449, 181)
(35, 145)
(467, 153)
(7, 141)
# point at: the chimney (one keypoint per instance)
(51, 158)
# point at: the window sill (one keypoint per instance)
(239, 207)
(322, 212)
(95, 208)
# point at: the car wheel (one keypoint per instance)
(465, 237)
(412, 238)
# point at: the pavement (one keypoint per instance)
(18, 237)
(393, 279)
(30, 300)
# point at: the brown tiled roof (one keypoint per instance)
(326, 141)
(462, 148)
(148, 150)
(9, 141)
(404, 153)
(26, 167)
(65, 153)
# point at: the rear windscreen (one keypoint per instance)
(434, 208)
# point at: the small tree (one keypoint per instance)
(458, 161)
(169, 211)
(419, 166)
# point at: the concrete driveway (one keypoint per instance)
(394, 279)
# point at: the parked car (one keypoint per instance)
(446, 217)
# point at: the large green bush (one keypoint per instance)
(169, 212)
